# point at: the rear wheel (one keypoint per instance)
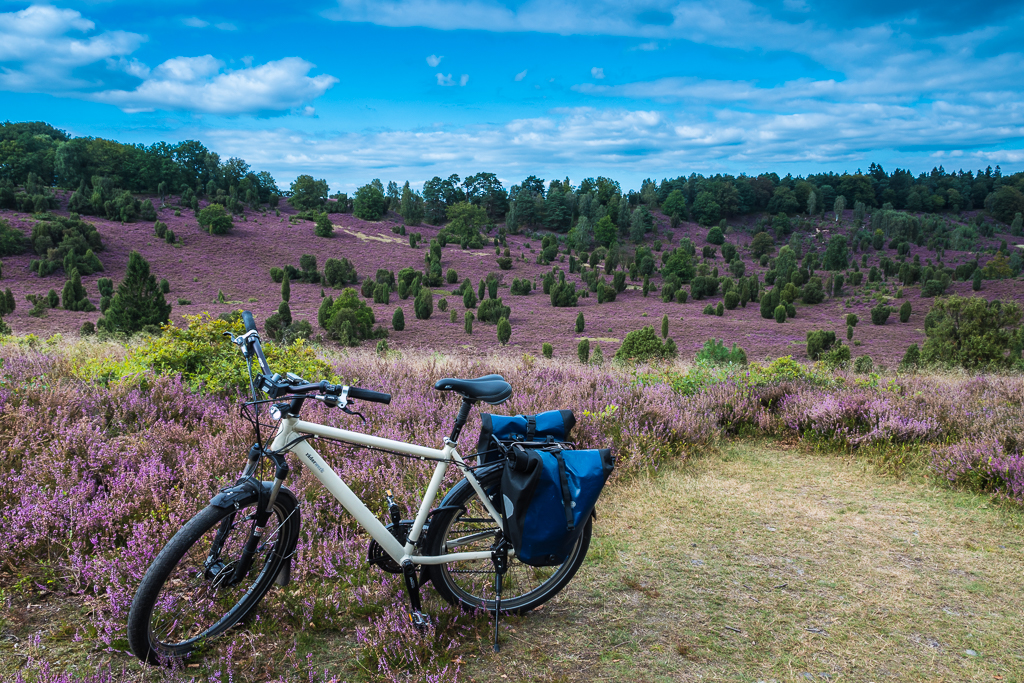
(471, 583)
(189, 593)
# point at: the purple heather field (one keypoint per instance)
(238, 264)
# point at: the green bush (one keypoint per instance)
(469, 298)
(863, 365)
(206, 362)
(780, 313)
(818, 342)
(642, 345)
(468, 322)
(398, 320)
(442, 304)
(323, 226)
(971, 332)
(423, 304)
(138, 303)
(546, 350)
(583, 351)
(681, 296)
(732, 299)
(492, 310)
(905, 312)
(504, 331)
(521, 287)
(837, 357)
(715, 352)
(879, 314)
(709, 309)
(912, 358)
(715, 236)
(276, 274)
(849, 332)
(580, 323)
(339, 272)
(563, 294)
(852, 319)
(720, 309)
(451, 277)
(215, 219)
(347, 319)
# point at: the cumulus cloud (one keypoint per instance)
(195, 22)
(444, 80)
(648, 47)
(521, 75)
(35, 42)
(227, 26)
(463, 79)
(40, 47)
(200, 84)
(597, 72)
(434, 60)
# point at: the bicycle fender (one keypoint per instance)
(227, 497)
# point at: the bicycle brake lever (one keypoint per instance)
(353, 412)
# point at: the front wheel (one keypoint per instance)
(190, 592)
(471, 583)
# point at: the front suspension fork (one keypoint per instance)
(262, 513)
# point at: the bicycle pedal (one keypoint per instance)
(420, 620)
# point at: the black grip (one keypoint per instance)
(368, 395)
(248, 321)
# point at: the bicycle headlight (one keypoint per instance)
(276, 412)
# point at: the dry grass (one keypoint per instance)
(767, 564)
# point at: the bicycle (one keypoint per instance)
(215, 570)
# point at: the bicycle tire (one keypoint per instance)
(470, 584)
(179, 583)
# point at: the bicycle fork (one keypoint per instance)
(262, 514)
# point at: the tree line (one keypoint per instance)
(46, 155)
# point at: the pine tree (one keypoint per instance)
(138, 301)
(664, 326)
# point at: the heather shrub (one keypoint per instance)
(715, 352)
(818, 342)
(642, 345)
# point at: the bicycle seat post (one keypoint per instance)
(460, 419)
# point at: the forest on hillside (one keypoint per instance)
(36, 156)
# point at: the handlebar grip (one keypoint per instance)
(248, 321)
(368, 395)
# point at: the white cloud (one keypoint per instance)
(648, 47)
(521, 75)
(41, 54)
(132, 67)
(227, 26)
(434, 60)
(195, 22)
(597, 72)
(463, 79)
(198, 84)
(444, 80)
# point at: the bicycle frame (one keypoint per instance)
(293, 427)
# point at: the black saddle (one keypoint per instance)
(491, 389)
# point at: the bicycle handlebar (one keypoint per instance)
(275, 387)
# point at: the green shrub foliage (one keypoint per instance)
(642, 345)
(138, 303)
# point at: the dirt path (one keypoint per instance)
(762, 564)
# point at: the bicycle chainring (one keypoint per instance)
(375, 554)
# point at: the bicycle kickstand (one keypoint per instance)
(412, 586)
(499, 556)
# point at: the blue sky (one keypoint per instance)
(405, 90)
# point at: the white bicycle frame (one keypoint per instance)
(293, 427)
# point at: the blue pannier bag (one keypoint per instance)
(497, 431)
(547, 496)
